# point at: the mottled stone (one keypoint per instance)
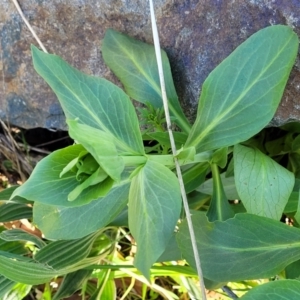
(197, 36)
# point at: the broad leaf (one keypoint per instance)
(164, 139)
(237, 250)
(45, 185)
(263, 185)
(96, 102)
(241, 95)
(57, 222)
(172, 252)
(154, 209)
(275, 290)
(134, 63)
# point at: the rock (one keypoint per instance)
(197, 36)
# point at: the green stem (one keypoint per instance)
(166, 160)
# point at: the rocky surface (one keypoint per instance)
(197, 35)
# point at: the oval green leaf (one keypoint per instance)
(242, 248)
(154, 209)
(45, 185)
(134, 63)
(57, 222)
(241, 95)
(96, 102)
(275, 290)
(263, 185)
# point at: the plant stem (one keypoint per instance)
(173, 147)
(166, 160)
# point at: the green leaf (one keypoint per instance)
(134, 63)
(293, 201)
(21, 235)
(57, 222)
(100, 145)
(172, 251)
(6, 194)
(219, 157)
(95, 101)
(194, 176)
(14, 211)
(228, 185)
(71, 283)
(219, 208)
(294, 163)
(25, 272)
(263, 185)
(275, 290)
(46, 186)
(154, 209)
(14, 247)
(185, 155)
(18, 292)
(197, 200)
(61, 254)
(241, 95)
(164, 139)
(292, 271)
(242, 248)
(98, 176)
(5, 286)
(297, 214)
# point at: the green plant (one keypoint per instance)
(108, 178)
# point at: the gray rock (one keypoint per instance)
(197, 36)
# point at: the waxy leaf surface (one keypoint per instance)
(244, 247)
(57, 222)
(154, 209)
(96, 102)
(100, 145)
(134, 63)
(263, 185)
(241, 95)
(275, 290)
(46, 186)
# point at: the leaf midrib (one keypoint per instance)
(149, 79)
(98, 121)
(216, 121)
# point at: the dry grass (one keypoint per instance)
(13, 156)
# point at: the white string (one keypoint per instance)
(174, 151)
(15, 2)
